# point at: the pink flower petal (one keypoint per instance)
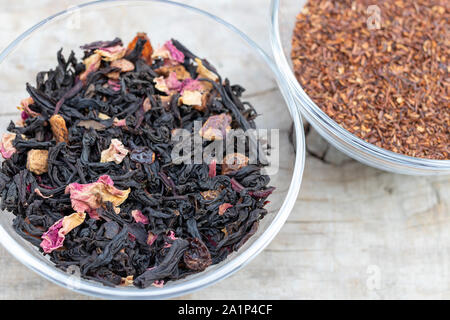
(151, 238)
(169, 53)
(224, 207)
(175, 54)
(158, 283)
(55, 236)
(6, 145)
(139, 216)
(89, 197)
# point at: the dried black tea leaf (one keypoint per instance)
(88, 170)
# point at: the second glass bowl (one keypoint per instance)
(283, 17)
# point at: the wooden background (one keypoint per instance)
(355, 232)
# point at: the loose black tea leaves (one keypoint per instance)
(88, 170)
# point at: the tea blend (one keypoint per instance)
(88, 171)
(380, 69)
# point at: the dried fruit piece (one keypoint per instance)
(37, 161)
(197, 257)
(179, 70)
(216, 127)
(128, 281)
(210, 194)
(115, 153)
(59, 128)
(191, 98)
(111, 53)
(55, 236)
(204, 72)
(89, 197)
(124, 65)
(6, 146)
(92, 64)
(147, 49)
(233, 162)
(103, 116)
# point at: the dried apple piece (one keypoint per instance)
(216, 127)
(37, 161)
(233, 162)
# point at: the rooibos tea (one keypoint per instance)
(89, 171)
(380, 70)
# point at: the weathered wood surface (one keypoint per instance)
(355, 232)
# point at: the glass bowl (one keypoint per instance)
(283, 17)
(235, 56)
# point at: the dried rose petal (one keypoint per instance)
(54, 237)
(175, 54)
(262, 193)
(89, 197)
(147, 105)
(120, 122)
(37, 161)
(92, 64)
(204, 72)
(147, 49)
(6, 146)
(212, 168)
(25, 107)
(233, 162)
(224, 207)
(115, 153)
(216, 127)
(112, 53)
(151, 238)
(139, 216)
(158, 283)
(191, 85)
(59, 129)
(169, 52)
(171, 235)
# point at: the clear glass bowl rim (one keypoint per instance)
(242, 258)
(314, 115)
